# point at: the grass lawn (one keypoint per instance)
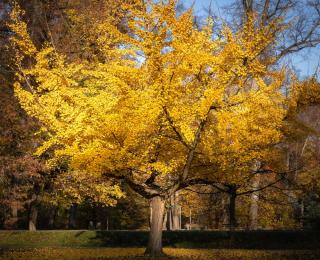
(262, 240)
(66, 244)
(172, 253)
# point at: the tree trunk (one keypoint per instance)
(174, 213)
(220, 216)
(165, 225)
(11, 218)
(52, 217)
(254, 199)
(292, 166)
(154, 247)
(33, 208)
(72, 216)
(301, 212)
(212, 213)
(33, 215)
(232, 211)
(14, 212)
(225, 212)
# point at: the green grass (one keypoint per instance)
(38, 239)
(275, 240)
(178, 245)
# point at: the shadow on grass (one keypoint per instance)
(79, 233)
(268, 240)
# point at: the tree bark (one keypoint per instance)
(154, 247)
(33, 207)
(11, 218)
(212, 213)
(72, 216)
(14, 212)
(33, 216)
(292, 166)
(232, 211)
(174, 212)
(52, 217)
(254, 199)
(165, 225)
(225, 211)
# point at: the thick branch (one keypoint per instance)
(178, 134)
(141, 189)
(199, 181)
(261, 188)
(195, 143)
(150, 182)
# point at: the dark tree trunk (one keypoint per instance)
(154, 247)
(94, 216)
(232, 211)
(72, 216)
(33, 216)
(217, 215)
(212, 217)
(52, 216)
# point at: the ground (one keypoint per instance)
(82, 244)
(172, 253)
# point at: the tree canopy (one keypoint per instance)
(156, 102)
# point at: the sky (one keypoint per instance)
(306, 62)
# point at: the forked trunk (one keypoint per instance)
(154, 247)
(33, 208)
(33, 215)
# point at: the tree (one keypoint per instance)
(20, 172)
(302, 140)
(46, 21)
(162, 99)
(300, 22)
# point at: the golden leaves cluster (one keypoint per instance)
(139, 107)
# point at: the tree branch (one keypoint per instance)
(141, 189)
(179, 135)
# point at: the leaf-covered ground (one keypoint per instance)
(172, 253)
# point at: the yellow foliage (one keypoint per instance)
(304, 93)
(141, 106)
(83, 186)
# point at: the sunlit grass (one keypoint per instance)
(173, 253)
